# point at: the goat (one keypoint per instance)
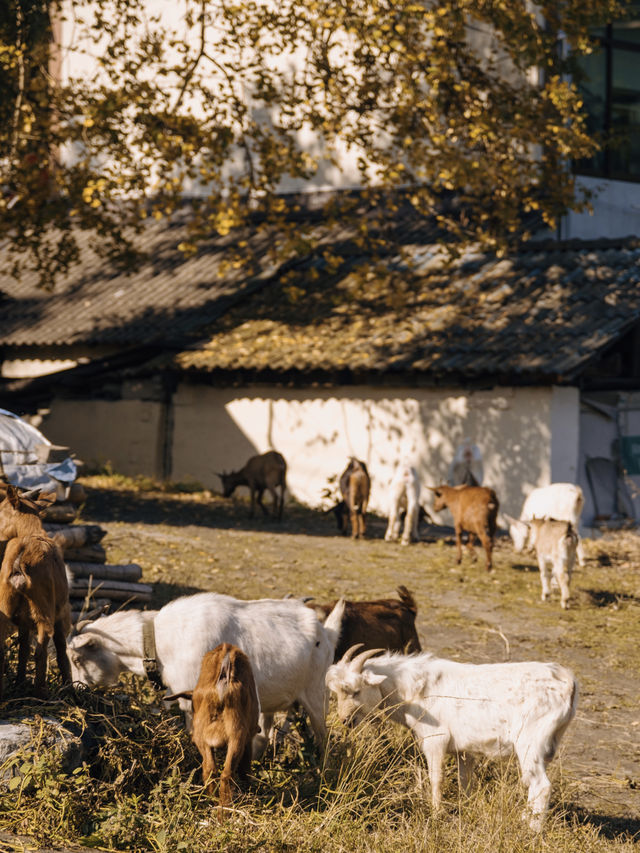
(404, 494)
(34, 590)
(556, 544)
(383, 623)
(562, 501)
(474, 509)
(266, 471)
(225, 713)
(288, 648)
(355, 485)
(466, 710)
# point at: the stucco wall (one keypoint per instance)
(128, 434)
(316, 430)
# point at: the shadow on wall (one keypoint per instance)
(513, 437)
(218, 430)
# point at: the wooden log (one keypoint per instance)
(86, 554)
(116, 590)
(77, 494)
(77, 535)
(62, 513)
(77, 605)
(128, 572)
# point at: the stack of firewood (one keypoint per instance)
(94, 582)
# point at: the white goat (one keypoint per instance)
(555, 543)
(288, 647)
(404, 494)
(466, 710)
(562, 501)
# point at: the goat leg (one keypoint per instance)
(260, 493)
(60, 642)
(41, 660)
(209, 768)
(458, 544)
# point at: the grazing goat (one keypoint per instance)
(355, 485)
(474, 509)
(267, 471)
(562, 501)
(555, 543)
(288, 648)
(34, 590)
(465, 710)
(225, 713)
(404, 494)
(384, 623)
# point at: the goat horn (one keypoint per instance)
(346, 657)
(358, 662)
(28, 492)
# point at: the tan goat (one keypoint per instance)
(267, 471)
(474, 509)
(34, 591)
(355, 485)
(225, 713)
(556, 543)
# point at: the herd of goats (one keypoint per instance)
(232, 664)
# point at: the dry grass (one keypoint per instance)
(140, 789)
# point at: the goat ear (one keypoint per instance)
(372, 678)
(45, 500)
(13, 496)
(331, 679)
(171, 697)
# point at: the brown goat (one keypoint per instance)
(474, 509)
(355, 485)
(225, 713)
(34, 591)
(381, 624)
(267, 471)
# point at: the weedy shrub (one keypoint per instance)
(140, 790)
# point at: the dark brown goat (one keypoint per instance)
(34, 591)
(225, 713)
(474, 509)
(267, 471)
(381, 624)
(355, 485)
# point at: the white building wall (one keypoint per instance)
(565, 434)
(616, 213)
(317, 430)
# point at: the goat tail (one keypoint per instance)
(18, 578)
(407, 599)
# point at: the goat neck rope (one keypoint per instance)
(149, 661)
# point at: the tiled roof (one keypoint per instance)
(339, 309)
(544, 311)
(162, 301)
(171, 296)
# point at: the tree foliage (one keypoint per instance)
(126, 113)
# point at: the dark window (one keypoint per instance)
(609, 80)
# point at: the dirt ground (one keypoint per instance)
(188, 543)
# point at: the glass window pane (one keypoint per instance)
(625, 114)
(592, 84)
(629, 29)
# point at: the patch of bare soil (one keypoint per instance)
(188, 543)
